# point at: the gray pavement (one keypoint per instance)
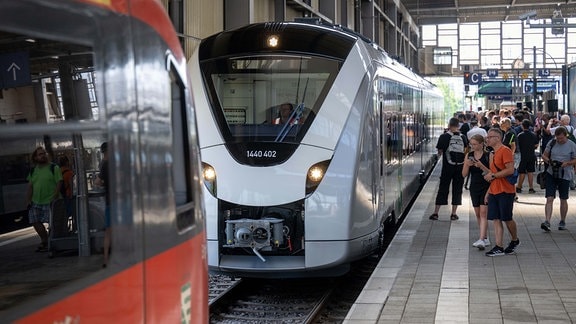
(430, 273)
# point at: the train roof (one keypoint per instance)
(304, 35)
(151, 12)
(296, 37)
(395, 62)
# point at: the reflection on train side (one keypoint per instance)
(15, 166)
(405, 133)
(50, 120)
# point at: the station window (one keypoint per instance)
(443, 56)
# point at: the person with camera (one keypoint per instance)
(564, 121)
(560, 155)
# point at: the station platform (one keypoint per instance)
(431, 273)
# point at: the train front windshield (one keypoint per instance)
(268, 98)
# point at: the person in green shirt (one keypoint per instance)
(44, 181)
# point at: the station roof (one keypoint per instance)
(433, 12)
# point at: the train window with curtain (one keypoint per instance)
(181, 161)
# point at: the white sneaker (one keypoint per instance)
(486, 242)
(479, 244)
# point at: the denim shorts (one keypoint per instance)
(39, 213)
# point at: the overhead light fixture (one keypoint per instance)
(30, 40)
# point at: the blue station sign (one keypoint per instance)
(541, 85)
(475, 78)
(15, 70)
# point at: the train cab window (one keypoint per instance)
(181, 162)
(268, 98)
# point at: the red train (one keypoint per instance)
(76, 74)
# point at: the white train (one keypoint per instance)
(307, 196)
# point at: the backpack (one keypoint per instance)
(64, 186)
(455, 151)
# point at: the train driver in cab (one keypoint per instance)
(286, 110)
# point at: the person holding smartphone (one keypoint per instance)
(476, 164)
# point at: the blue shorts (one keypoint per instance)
(39, 213)
(500, 206)
(553, 184)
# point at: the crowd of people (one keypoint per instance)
(491, 154)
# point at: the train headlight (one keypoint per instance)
(273, 41)
(209, 177)
(315, 175)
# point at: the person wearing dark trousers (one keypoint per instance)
(451, 146)
(527, 143)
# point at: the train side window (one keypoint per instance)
(181, 162)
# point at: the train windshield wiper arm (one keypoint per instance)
(294, 118)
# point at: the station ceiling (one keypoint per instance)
(433, 12)
(45, 55)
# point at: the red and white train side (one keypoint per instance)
(114, 71)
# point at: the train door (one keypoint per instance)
(391, 123)
(399, 135)
(382, 147)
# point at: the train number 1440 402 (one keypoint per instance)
(261, 154)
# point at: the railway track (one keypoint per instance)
(219, 286)
(317, 300)
(273, 301)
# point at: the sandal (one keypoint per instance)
(454, 217)
(433, 217)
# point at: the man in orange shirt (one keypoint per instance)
(500, 195)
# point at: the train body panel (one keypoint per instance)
(337, 107)
(255, 190)
(358, 120)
